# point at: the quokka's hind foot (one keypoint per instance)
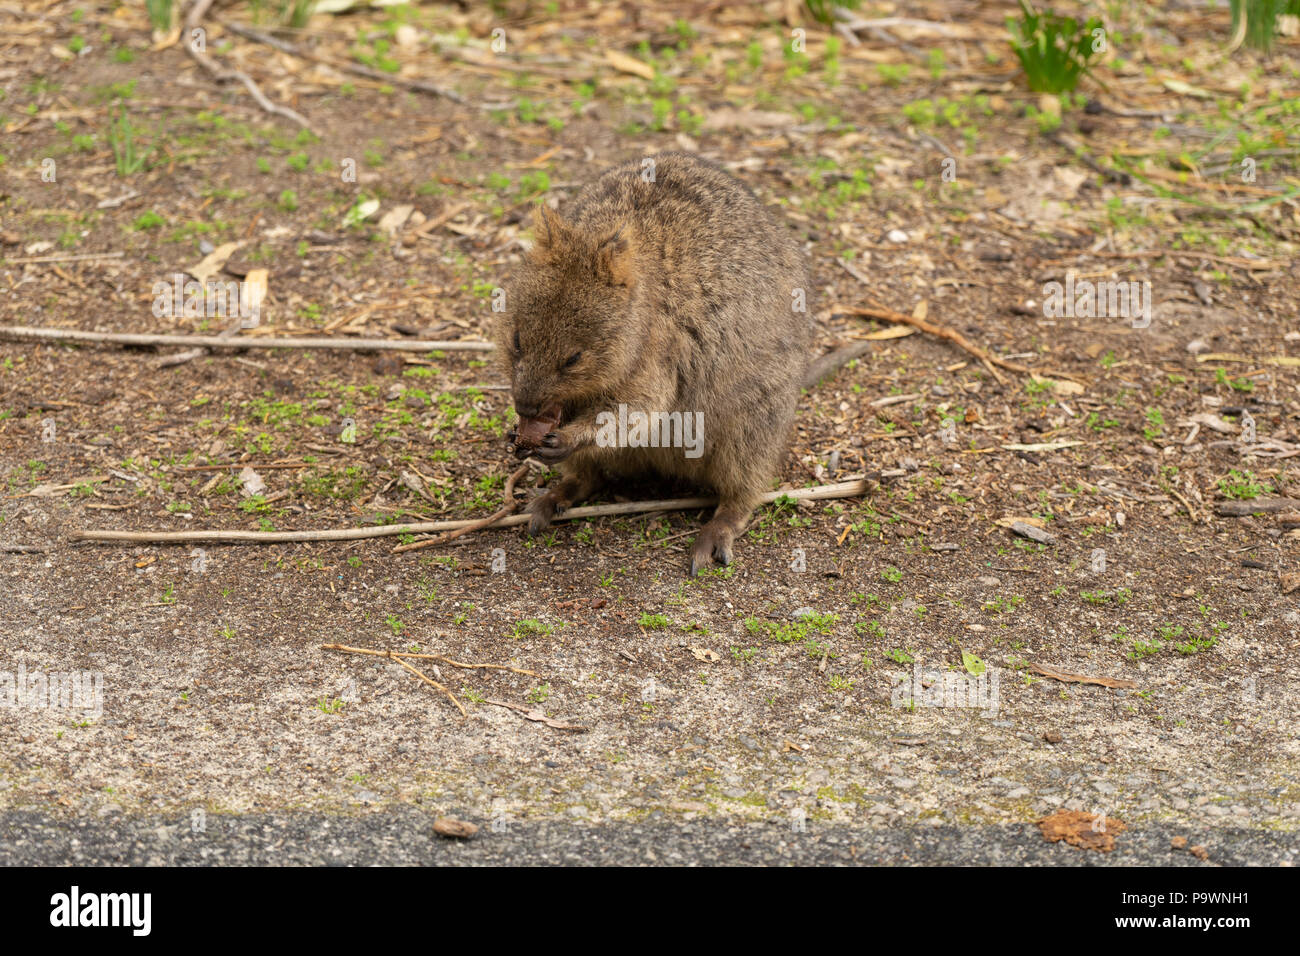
(716, 538)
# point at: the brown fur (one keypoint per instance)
(677, 295)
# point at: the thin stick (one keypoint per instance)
(80, 257)
(27, 333)
(223, 75)
(843, 489)
(430, 681)
(427, 657)
(509, 507)
(422, 86)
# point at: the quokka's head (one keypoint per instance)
(564, 335)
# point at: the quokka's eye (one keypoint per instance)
(516, 343)
(572, 360)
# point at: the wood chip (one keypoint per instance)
(454, 829)
(1032, 533)
(1266, 506)
(629, 64)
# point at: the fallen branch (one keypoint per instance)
(509, 507)
(843, 489)
(33, 333)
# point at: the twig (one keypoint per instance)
(421, 86)
(223, 75)
(843, 489)
(508, 507)
(427, 657)
(889, 315)
(430, 681)
(26, 333)
(537, 715)
(81, 257)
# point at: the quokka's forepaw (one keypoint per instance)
(543, 512)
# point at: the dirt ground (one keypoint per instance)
(778, 689)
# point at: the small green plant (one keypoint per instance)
(1255, 21)
(1236, 384)
(1118, 596)
(160, 13)
(121, 137)
(654, 622)
(1054, 51)
(823, 11)
(1143, 649)
(1003, 605)
(531, 627)
(1155, 424)
(1243, 486)
(1196, 645)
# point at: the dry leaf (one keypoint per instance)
(211, 264)
(1060, 387)
(893, 332)
(706, 655)
(393, 220)
(251, 483)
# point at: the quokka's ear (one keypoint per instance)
(615, 259)
(550, 232)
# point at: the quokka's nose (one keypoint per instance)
(524, 410)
